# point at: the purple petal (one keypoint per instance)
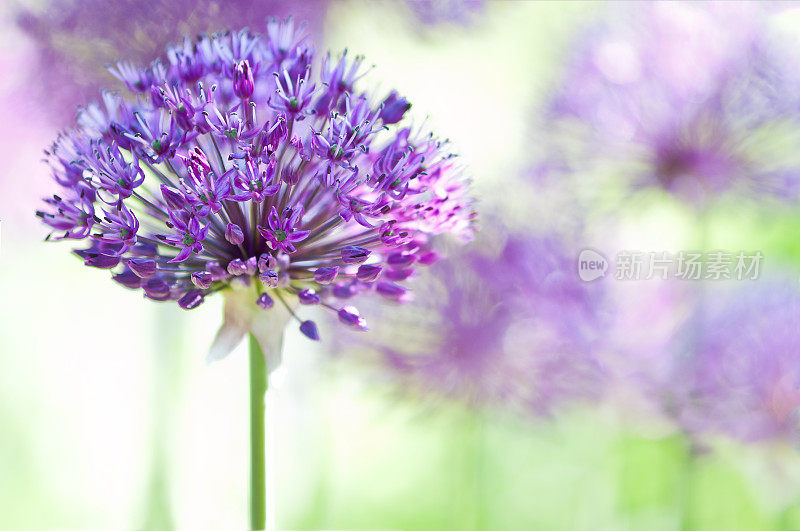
(234, 234)
(309, 329)
(299, 235)
(392, 291)
(237, 267)
(185, 253)
(368, 272)
(128, 279)
(265, 262)
(353, 254)
(265, 302)
(349, 315)
(102, 261)
(269, 278)
(308, 296)
(191, 300)
(143, 267)
(157, 289)
(202, 279)
(326, 275)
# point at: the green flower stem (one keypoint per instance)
(258, 391)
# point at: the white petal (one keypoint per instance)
(241, 317)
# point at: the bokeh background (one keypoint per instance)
(518, 417)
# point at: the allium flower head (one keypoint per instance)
(742, 378)
(237, 166)
(516, 327)
(683, 92)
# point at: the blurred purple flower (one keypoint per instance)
(76, 38)
(678, 92)
(739, 371)
(446, 11)
(154, 194)
(515, 328)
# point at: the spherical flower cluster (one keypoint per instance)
(740, 374)
(524, 340)
(678, 96)
(239, 163)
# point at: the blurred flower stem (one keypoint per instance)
(258, 392)
(317, 513)
(469, 498)
(166, 388)
(686, 492)
(703, 228)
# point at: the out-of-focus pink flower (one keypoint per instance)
(513, 327)
(434, 12)
(676, 94)
(739, 373)
(75, 39)
(23, 177)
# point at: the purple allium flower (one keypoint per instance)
(281, 231)
(516, 328)
(202, 204)
(676, 94)
(75, 38)
(739, 374)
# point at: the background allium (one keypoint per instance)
(741, 377)
(645, 318)
(441, 11)
(510, 325)
(240, 167)
(76, 38)
(683, 96)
